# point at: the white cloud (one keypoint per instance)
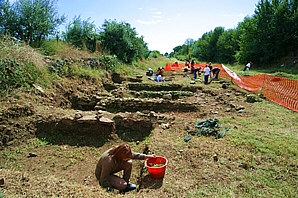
(158, 13)
(153, 22)
(140, 8)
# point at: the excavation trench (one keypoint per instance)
(95, 128)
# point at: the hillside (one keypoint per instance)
(55, 127)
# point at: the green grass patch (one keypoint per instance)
(286, 71)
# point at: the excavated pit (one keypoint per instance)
(94, 128)
(137, 98)
(101, 116)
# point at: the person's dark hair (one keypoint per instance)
(121, 152)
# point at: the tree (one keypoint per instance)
(2, 4)
(212, 53)
(201, 47)
(155, 54)
(31, 20)
(177, 48)
(81, 33)
(249, 49)
(271, 33)
(142, 50)
(277, 29)
(121, 39)
(227, 46)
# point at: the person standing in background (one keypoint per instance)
(206, 74)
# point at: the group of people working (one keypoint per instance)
(208, 71)
(158, 75)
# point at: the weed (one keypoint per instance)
(41, 142)
(20, 166)
(7, 154)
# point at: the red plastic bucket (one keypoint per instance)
(156, 172)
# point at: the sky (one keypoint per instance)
(164, 24)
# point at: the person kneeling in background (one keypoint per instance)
(115, 160)
(149, 72)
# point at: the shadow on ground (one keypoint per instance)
(151, 183)
(76, 136)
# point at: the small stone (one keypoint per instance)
(152, 114)
(240, 108)
(244, 165)
(39, 88)
(233, 105)
(100, 112)
(78, 115)
(251, 98)
(192, 82)
(165, 126)
(215, 157)
(106, 121)
(228, 109)
(137, 142)
(180, 151)
(32, 155)
(1, 181)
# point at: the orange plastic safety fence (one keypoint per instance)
(280, 90)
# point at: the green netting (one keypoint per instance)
(210, 127)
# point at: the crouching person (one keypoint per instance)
(115, 160)
(215, 71)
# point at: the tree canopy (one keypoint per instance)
(30, 20)
(121, 39)
(269, 34)
(81, 33)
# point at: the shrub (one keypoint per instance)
(14, 75)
